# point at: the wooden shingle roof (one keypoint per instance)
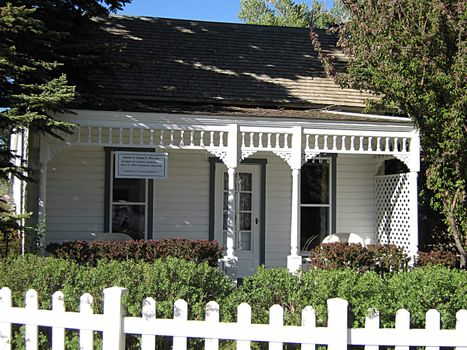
(189, 61)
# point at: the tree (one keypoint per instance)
(413, 54)
(289, 13)
(45, 46)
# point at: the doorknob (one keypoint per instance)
(256, 221)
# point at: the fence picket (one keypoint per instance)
(115, 325)
(461, 325)
(433, 323)
(309, 322)
(337, 323)
(148, 313)
(86, 335)
(276, 319)
(5, 327)
(212, 316)
(58, 333)
(31, 330)
(113, 337)
(403, 325)
(244, 319)
(372, 324)
(180, 314)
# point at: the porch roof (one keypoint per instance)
(223, 110)
(219, 64)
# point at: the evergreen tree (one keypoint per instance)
(45, 48)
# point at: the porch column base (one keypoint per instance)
(294, 263)
(229, 266)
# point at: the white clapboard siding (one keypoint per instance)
(278, 204)
(355, 194)
(181, 201)
(114, 326)
(75, 193)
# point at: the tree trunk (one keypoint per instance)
(455, 229)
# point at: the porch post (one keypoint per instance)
(19, 143)
(414, 167)
(231, 215)
(230, 260)
(413, 214)
(294, 260)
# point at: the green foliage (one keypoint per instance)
(417, 290)
(413, 54)
(46, 49)
(290, 13)
(165, 280)
(374, 257)
(83, 252)
(10, 223)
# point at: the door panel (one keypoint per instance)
(247, 228)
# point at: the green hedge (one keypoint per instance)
(166, 280)
(417, 291)
(169, 279)
(84, 252)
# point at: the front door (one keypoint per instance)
(247, 215)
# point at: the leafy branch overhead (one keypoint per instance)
(290, 13)
(413, 54)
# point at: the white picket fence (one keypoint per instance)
(114, 325)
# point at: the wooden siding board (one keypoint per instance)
(181, 202)
(75, 192)
(356, 195)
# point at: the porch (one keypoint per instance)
(359, 196)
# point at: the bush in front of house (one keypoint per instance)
(374, 257)
(437, 257)
(165, 280)
(84, 252)
(417, 290)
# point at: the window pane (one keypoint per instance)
(315, 183)
(245, 221)
(244, 182)
(226, 201)
(128, 219)
(224, 221)
(313, 226)
(245, 240)
(226, 181)
(129, 190)
(245, 201)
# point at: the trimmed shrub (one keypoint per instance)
(83, 252)
(417, 290)
(374, 257)
(165, 280)
(437, 257)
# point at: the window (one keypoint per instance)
(243, 211)
(128, 202)
(315, 202)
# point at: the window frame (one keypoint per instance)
(149, 186)
(331, 158)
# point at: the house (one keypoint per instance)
(230, 132)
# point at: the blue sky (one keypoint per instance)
(207, 10)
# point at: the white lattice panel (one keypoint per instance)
(394, 210)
